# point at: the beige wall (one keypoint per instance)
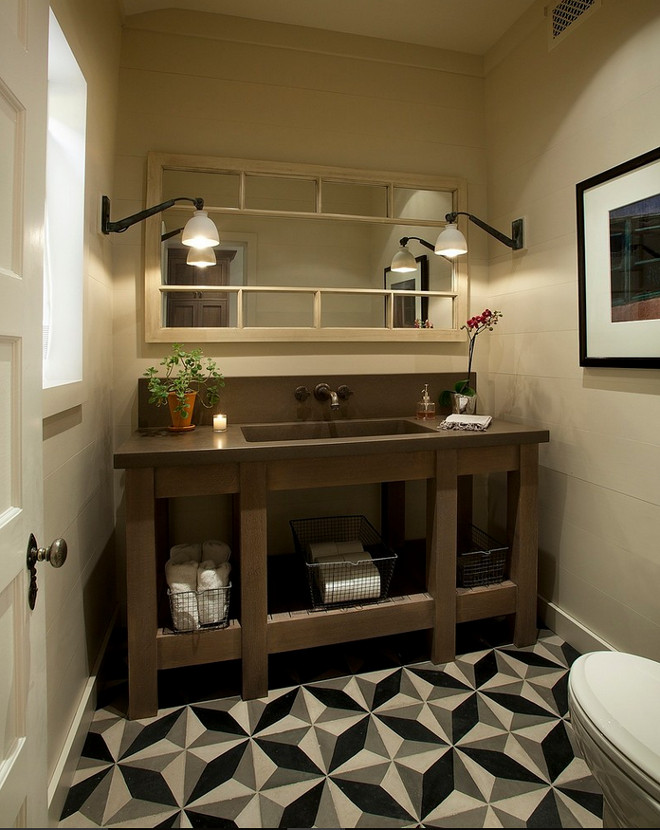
(77, 447)
(554, 118)
(206, 84)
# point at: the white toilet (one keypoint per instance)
(614, 704)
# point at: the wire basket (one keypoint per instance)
(346, 560)
(484, 564)
(199, 610)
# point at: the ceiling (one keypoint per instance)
(471, 26)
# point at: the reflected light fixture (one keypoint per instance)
(201, 257)
(199, 232)
(451, 242)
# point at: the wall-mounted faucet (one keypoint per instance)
(322, 392)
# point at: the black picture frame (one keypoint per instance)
(409, 309)
(618, 241)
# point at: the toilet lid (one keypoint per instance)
(620, 693)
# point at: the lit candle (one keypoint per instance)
(219, 423)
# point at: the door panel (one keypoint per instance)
(23, 97)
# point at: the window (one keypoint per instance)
(64, 226)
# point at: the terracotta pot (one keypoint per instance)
(179, 423)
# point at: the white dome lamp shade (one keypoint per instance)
(200, 231)
(403, 261)
(201, 257)
(450, 242)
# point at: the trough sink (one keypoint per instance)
(310, 430)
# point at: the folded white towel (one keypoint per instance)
(216, 550)
(476, 423)
(209, 576)
(181, 576)
(321, 550)
(182, 580)
(186, 552)
(212, 583)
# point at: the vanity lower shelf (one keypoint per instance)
(293, 630)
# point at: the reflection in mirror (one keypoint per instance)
(299, 252)
(409, 311)
(350, 199)
(305, 253)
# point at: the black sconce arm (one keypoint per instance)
(123, 224)
(406, 239)
(515, 241)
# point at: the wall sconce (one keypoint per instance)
(199, 231)
(451, 242)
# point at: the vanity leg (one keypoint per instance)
(522, 520)
(441, 519)
(254, 579)
(393, 513)
(141, 593)
(464, 538)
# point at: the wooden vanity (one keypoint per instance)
(160, 466)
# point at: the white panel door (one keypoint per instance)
(23, 98)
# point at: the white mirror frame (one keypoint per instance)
(154, 289)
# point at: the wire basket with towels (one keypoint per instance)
(199, 587)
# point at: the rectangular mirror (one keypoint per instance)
(302, 254)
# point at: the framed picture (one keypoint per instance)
(618, 233)
(409, 309)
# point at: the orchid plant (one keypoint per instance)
(485, 321)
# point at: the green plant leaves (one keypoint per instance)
(185, 371)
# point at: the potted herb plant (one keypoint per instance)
(462, 398)
(188, 376)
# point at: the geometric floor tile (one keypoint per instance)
(483, 741)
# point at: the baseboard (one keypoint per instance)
(569, 629)
(66, 766)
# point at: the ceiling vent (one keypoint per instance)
(563, 16)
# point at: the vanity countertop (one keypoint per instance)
(156, 447)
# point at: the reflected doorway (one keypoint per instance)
(197, 309)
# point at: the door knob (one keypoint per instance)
(55, 553)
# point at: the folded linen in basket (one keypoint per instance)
(216, 550)
(211, 594)
(182, 581)
(321, 550)
(186, 552)
(352, 580)
(476, 423)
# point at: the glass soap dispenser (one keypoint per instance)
(425, 407)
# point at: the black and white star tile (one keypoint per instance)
(483, 741)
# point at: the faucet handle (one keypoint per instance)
(322, 392)
(344, 392)
(302, 393)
